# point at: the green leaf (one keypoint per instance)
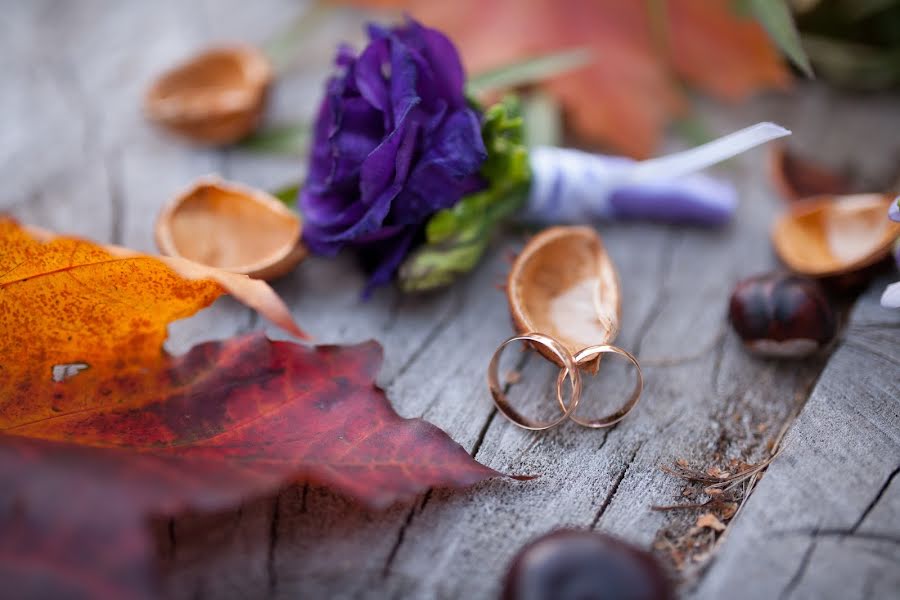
(288, 194)
(543, 118)
(285, 139)
(775, 16)
(531, 70)
(693, 130)
(456, 238)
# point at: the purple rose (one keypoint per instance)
(395, 141)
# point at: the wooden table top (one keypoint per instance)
(77, 156)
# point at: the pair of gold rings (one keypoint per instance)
(569, 370)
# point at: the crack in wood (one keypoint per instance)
(401, 534)
(433, 334)
(794, 581)
(604, 440)
(615, 487)
(876, 499)
(853, 530)
(482, 434)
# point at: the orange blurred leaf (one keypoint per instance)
(644, 51)
(100, 429)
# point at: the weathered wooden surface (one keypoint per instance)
(825, 520)
(76, 156)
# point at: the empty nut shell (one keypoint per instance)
(216, 97)
(565, 285)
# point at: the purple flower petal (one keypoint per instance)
(404, 76)
(894, 210)
(394, 142)
(370, 78)
(443, 172)
(383, 258)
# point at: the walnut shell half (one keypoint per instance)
(216, 97)
(231, 227)
(829, 236)
(563, 284)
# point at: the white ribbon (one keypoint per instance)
(571, 186)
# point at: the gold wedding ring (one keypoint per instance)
(587, 354)
(570, 368)
(568, 371)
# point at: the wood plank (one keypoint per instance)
(824, 522)
(76, 155)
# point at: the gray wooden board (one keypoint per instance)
(825, 520)
(77, 156)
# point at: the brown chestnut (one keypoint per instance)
(778, 314)
(572, 564)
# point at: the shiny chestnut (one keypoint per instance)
(573, 564)
(778, 314)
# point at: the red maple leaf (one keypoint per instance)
(90, 450)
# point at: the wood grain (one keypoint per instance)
(77, 156)
(825, 520)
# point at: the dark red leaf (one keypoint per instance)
(227, 421)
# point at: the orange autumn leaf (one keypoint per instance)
(101, 430)
(99, 306)
(632, 90)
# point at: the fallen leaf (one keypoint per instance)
(710, 521)
(121, 432)
(78, 257)
(717, 472)
(728, 509)
(644, 50)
